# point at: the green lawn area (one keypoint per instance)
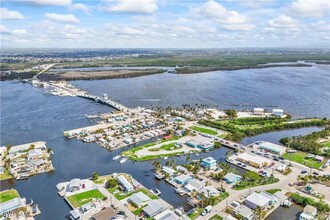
(216, 217)
(273, 191)
(204, 130)
(5, 175)
(121, 195)
(80, 199)
(8, 195)
(299, 157)
(327, 144)
(196, 213)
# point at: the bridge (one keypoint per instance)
(104, 101)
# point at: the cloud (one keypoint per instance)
(124, 30)
(10, 15)
(310, 8)
(3, 28)
(230, 20)
(283, 21)
(132, 6)
(51, 2)
(69, 18)
(80, 6)
(19, 31)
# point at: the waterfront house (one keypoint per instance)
(168, 170)
(167, 215)
(34, 153)
(123, 182)
(309, 213)
(10, 205)
(104, 214)
(192, 143)
(255, 200)
(181, 169)
(210, 191)
(253, 160)
(205, 146)
(194, 185)
(86, 207)
(232, 178)
(245, 212)
(258, 111)
(74, 185)
(209, 163)
(153, 208)
(75, 214)
(273, 148)
(278, 112)
(182, 179)
(138, 199)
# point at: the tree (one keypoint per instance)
(231, 113)
(157, 165)
(260, 213)
(95, 176)
(111, 183)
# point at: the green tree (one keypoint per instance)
(260, 213)
(95, 176)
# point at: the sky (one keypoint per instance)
(164, 23)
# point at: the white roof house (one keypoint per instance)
(34, 153)
(168, 170)
(153, 208)
(258, 111)
(139, 199)
(10, 205)
(309, 213)
(253, 160)
(210, 191)
(244, 211)
(194, 185)
(274, 148)
(125, 184)
(255, 200)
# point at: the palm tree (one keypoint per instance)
(157, 165)
(259, 213)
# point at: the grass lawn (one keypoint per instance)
(273, 191)
(8, 195)
(5, 175)
(216, 217)
(80, 199)
(196, 213)
(102, 179)
(299, 157)
(327, 144)
(122, 195)
(204, 130)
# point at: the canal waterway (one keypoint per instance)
(28, 115)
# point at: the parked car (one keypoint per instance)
(281, 158)
(243, 165)
(260, 171)
(252, 151)
(315, 173)
(276, 159)
(304, 171)
(239, 164)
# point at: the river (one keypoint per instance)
(28, 115)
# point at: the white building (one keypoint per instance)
(255, 200)
(258, 111)
(309, 213)
(253, 160)
(273, 148)
(278, 112)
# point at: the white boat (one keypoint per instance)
(159, 176)
(123, 160)
(197, 154)
(92, 116)
(180, 191)
(116, 157)
(156, 192)
(165, 158)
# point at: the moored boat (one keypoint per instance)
(116, 157)
(123, 160)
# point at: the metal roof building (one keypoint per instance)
(124, 183)
(10, 205)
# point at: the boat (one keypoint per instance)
(159, 176)
(123, 160)
(157, 192)
(165, 158)
(91, 116)
(197, 154)
(116, 157)
(180, 191)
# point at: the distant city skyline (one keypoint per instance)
(164, 23)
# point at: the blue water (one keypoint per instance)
(29, 115)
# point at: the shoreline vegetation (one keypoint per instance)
(182, 64)
(95, 75)
(243, 127)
